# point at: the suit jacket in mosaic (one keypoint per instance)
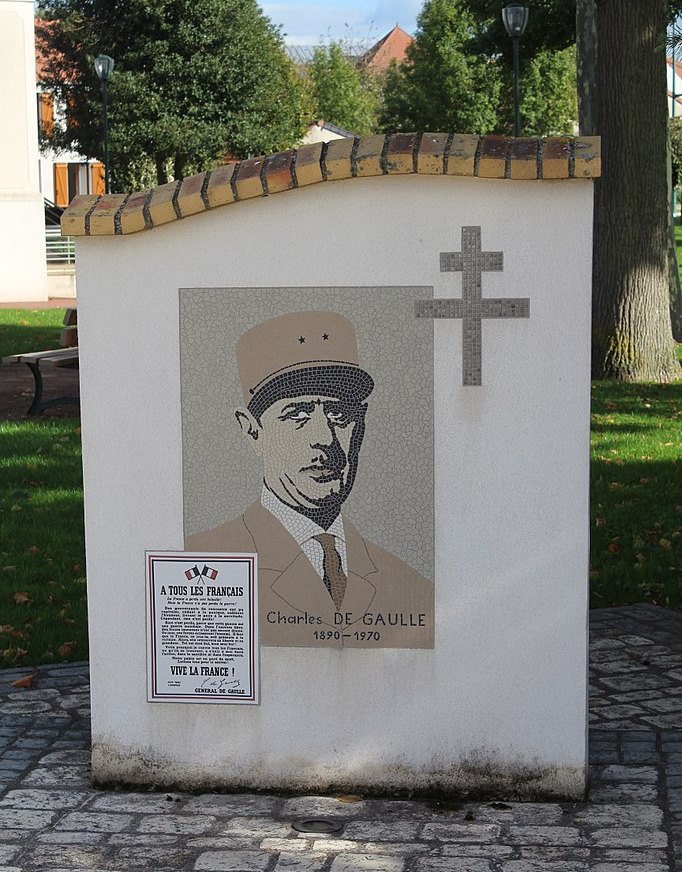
(383, 596)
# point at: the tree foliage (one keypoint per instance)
(194, 80)
(549, 99)
(457, 78)
(343, 94)
(445, 84)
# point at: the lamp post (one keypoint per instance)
(104, 67)
(515, 18)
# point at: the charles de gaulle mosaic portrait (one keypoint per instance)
(321, 582)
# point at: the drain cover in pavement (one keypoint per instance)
(317, 825)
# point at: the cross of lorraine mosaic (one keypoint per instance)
(473, 306)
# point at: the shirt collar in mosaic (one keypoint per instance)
(302, 529)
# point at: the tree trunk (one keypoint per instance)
(675, 288)
(586, 62)
(179, 165)
(631, 330)
(161, 171)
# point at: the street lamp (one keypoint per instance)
(104, 67)
(515, 18)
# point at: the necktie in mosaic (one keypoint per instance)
(334, 577)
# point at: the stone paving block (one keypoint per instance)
(461, 832)
(401, 808)
(620, 855)
(12, 766)
(292, 845)
(57, 776)
(335, 846)
(15, 835)
(239, 804)
(605, 644)
(224, 843)
(232, 861)
(96, 823)
(325, 806)
(400, 848)
(538, 852)
(638, 774)
(151, 855)
(29, 744)
(300, 863)
(529, 835)
(72, 838)
(603, 757)
(628, 837)
(395, 831)
(133, 803)
(367, 863)
(661, 720)
(531, 813)
(623, 793)
(134, 839)
(24, 819)
(450, 864)
(255, 826)
(67, 857)
(540, 866)
(489, 852)
(617, 667)
(637, 682)
(608, 815)
(630, 867)
(9, 853)
(66, 758)
(192, 825)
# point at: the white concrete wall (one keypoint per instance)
(22, 222)
(501, 700)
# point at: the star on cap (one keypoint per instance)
(301, 339)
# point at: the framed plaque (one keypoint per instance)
(202, 627)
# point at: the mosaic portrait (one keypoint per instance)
(308, 439)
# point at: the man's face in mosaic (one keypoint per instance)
(310, 446)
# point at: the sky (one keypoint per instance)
(306, 23)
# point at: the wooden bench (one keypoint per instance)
(66, 355)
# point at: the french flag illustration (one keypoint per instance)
(192, 573)
(209, 573)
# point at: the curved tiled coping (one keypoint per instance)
(447, 154)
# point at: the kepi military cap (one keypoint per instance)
(300, 354)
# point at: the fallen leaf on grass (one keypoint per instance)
(66, 649)
(34, 549)
(665, 543)
(26, 681)
(8, 568)
(22, 598)
(613, 547)
(6, 628)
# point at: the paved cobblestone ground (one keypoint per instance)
(52, 819)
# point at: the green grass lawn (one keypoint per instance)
(636, 492)
(42, 560)
(23, 330)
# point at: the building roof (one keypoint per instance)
(435, 154)
(392, 47)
